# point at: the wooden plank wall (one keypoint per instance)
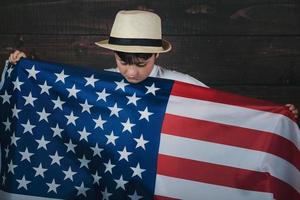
(250, 47)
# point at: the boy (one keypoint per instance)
(136, 40)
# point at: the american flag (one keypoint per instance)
(72, 133)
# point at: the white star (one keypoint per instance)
(141, 142)
(70, 146)
(43, 115)
(71, 119)
(152, 89)
(111, 138)
(96, 178)
(84, 134)
(52, 186)
(58, 103)
(105, 194)
(55, 158)
(97, 151)
(39, 171)
(42, 143)
(124, 154)
(90, 81)
(132, 99)
(3, 179)
(57, 131)
(114, 110)
(120, 183)
(26, 155)
(5, 97)
(108, 166)
(137, 171)
(73, 91)
(69, 174)
(45, 88)
(102, 95)
(135, 196)
(29, 99)
(17, 84)
(61, 76)
(86, 107)
(32, 72)
(81, 189)
(127, 126)
(6, 151)
(14, 139)
(11, 167)
(84, 162)
(28, 127)
(121, 85)
(7, 124)
(23, 183)
(99, 122)
(15, 112)
(145, 114)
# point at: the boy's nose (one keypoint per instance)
(132, 71)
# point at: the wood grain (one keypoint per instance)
(180, 17)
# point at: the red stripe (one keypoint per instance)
(225, 176)
(156, 197)
(232, 135)
(208, 94)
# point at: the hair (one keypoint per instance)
(133, 58)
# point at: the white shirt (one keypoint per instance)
(161, 72)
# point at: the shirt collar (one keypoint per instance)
(154, 71)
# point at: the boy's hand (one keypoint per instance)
(293, 109)
(16, 56)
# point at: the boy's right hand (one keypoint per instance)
(16, 56)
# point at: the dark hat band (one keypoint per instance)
(135, 42)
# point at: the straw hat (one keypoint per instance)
(136, 31)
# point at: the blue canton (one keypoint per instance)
(72, 133)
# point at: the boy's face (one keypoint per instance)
(136, 72)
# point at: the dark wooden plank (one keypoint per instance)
(214, 60)
(180, 17)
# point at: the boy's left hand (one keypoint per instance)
(293, 109)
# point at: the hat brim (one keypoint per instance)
(166, 46)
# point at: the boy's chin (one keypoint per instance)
(132, 80)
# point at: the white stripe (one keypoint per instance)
(236, 116)
(230, 156)
(192, 190)
(10, 196)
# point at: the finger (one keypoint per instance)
(15, 54)
(291, 107)
(23, 55)
(20, 55)
(11, 59)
